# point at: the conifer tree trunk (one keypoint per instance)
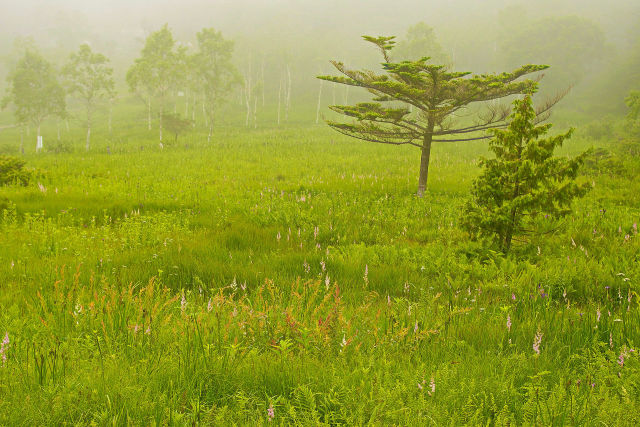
(424, 163)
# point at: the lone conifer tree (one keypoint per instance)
(523, 181)
(435, 93)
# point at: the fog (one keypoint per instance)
(485, 36)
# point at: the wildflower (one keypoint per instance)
(323, 265)
(278, 236)
(420, 385)
(621, 359)
(598, 314)
(509, 322)
(537, 341)
(513, 297)
(183, 303)
(3, 348)
(415, 328)
(433, 386)
(210, 305)
(366, 274)
(611, 339)
(271, 413)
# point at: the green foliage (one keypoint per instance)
(569, 44)
(523, 182)
(34, 90)
(94, 274)
(421, 41)
(176, 124)
(89, 77)
(12, 171)
(437, 95)
(633, 103)
(159, 70)
(215, 74)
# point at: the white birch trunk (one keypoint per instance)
(288, 100)
(255, 112)
(279, 97)
(149, 113)
(319, 102)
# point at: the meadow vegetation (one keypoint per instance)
(273, 276)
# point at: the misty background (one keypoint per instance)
(591, 46)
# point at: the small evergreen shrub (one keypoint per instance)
(12, 171)
(524, 180)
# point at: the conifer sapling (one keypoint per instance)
(523, 181)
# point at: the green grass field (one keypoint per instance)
(290, 276)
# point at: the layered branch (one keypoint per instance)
(435, 92)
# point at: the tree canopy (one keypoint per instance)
(215, 73)
(89, 77)
(415, 101)
(35, 91)
(523, 181)
(158, 70)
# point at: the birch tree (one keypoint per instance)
(35, 92)
(216, 74)
(157, 71)
(89, 77)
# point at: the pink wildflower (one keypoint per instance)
(537, 341)
(3, 348)
(509, 323)
(271, 412)
(433, 386)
